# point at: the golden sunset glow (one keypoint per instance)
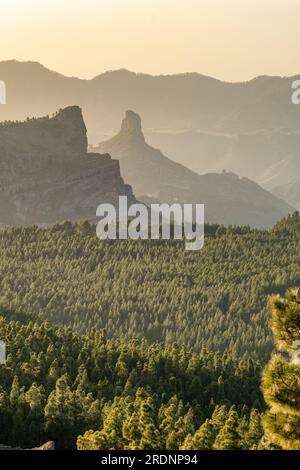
(229, 39)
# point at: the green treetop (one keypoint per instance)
(281, 378)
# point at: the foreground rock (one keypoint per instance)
(47, 446)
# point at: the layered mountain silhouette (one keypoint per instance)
(47, 176)
(250, 128)
(154, 177)
(168, 102)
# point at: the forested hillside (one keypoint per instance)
(57, 384)
(215, 298)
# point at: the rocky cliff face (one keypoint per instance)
(46, 174)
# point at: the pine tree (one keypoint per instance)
(5, 418)
(151, 439)
(182, 427)
(219, 418)
(35, 418)
(281, 378)
(229, 438)
(14, 392)
(59, 412)
(131, 432)
(243, 429)
(255, 431)
(203, 439)
(94, 414)
(150, 435)
(92, 441)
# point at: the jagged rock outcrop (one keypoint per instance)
(50, 445)
(228, 199)
(46, 174)
(131, 127)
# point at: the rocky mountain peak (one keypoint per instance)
(70, 119)
(132, 126)
(71, 114)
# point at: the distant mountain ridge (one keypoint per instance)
(251, 128)
(154, 177)
(183, 101)
(47, 176)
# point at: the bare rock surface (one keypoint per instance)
(50, 445)
(46, 174)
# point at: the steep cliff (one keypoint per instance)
(46, 174)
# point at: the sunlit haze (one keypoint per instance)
(229, 39)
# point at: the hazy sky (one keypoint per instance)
(228, 39)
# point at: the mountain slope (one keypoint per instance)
(257, 155)
(46, 174)
(228, 198)
(290, 192)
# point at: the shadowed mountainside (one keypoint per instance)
(47, 176)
